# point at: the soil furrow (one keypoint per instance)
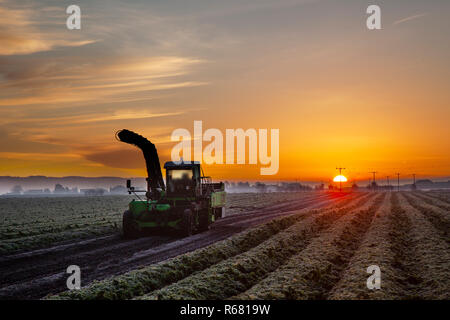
(437, 202)
(384, 245)
(439, 218)
(423, 257)
(312, 272)
(442, 196)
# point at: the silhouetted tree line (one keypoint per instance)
(263, 187)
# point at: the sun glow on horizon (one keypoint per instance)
(340, 178)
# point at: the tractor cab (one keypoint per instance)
(183, 179)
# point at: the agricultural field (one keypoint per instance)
(315, 254)
(31, 223)
(309, 245)
(39, 222)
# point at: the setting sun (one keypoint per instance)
(340, 178)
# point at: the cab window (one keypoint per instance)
(180, 180)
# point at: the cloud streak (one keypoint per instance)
(20, 34)
(414, 17)
(116, 80)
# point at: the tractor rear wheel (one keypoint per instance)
(203, 219)
(187, 223)
(217, 213)
(130, 228)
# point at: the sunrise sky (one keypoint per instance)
(340, 95)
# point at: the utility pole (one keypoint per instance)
(398, 181)
(388, 185)
(340, 178)
(373, 183)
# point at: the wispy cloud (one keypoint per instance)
(21, 34)
(97, 117)
(38, 156)
(113, 80)
(417, 16)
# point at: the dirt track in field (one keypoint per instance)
(34, 274)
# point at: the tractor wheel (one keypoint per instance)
(130, 229)
(187, 223)
(203, 219)
(217, 213)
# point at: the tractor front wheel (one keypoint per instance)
(130, 228)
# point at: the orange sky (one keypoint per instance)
(340, 95)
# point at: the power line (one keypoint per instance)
(414, 187)
(340, 178)
(373, 182)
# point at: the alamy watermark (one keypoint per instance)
(74, 20)
(374, 281)
(234, 148)
(373, 22)
(74, 280)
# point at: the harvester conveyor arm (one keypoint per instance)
(155, 178)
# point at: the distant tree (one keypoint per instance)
(260, 187)
(355, 186)
(320, 187)
(424, 181)
(244, 184)
(118, 189)
(17, 189)
(59, 188)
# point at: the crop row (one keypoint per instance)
(312, 272)
(425, 260)
(410, 250)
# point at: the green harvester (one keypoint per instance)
(189, 204)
